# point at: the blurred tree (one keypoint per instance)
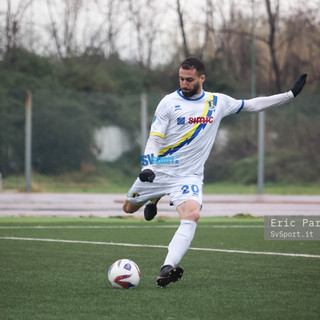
(207, 47)
(182, 30)
(13, 21)
(62, 132)
(21, 69)
(12, 131)
(302, 50)
(105, 35)
(145, 22)
(63, 28)
(273, 18)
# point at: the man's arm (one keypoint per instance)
(152, 147)
(262, 103)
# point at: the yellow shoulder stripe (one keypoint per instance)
(157, 134)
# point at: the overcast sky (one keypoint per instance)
(36, 21)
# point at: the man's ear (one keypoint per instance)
(202, 78)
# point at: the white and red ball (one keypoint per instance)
(124, 274)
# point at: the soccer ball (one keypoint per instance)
(124, 274)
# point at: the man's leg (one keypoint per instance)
(142, 193)
(129, 207)
(189, 212)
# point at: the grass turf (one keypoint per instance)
(84, 183)
(46, 280)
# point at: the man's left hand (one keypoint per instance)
(298, 85)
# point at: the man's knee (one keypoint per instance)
(129, 207)
(189, 210)
(194, 215)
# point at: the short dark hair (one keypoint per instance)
(193, 63)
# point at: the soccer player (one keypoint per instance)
(181, 137)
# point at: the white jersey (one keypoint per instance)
(189, 127)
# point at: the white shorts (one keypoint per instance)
(180, 189)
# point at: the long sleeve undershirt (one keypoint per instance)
(262, 103)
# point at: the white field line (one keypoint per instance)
(163, 247)
(127, 227)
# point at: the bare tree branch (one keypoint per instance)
(183, 33)
(272, 18)
(13, 23)
(209, 28)
(66, 43)
(145, 18)
(54, 31)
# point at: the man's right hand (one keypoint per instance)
(147, 175)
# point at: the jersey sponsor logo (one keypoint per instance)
(200, 120)
(181, 120)
(176, 108)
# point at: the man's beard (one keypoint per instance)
(192, 92)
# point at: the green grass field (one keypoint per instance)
(82, 183)
(64, 280)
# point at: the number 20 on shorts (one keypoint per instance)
(186, 189)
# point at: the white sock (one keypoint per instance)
(180, 242)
